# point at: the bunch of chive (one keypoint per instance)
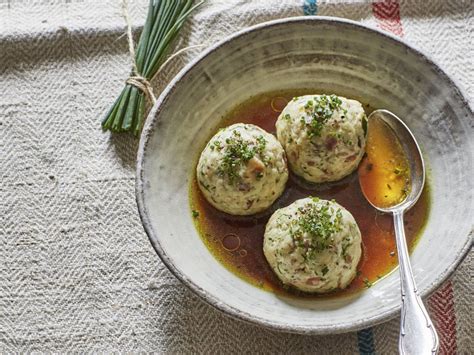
(164, 21)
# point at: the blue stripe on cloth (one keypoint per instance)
(365, 340)
(310, 7)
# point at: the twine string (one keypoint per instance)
(143, 85)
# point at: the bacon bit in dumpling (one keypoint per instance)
(313, 281)
(255, 166)
(244, 186)
(350, 158)
(331, 143)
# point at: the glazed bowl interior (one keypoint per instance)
(331, 56)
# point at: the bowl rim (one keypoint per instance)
(150, 125)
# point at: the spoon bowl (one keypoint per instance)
(412, 152)
(417, 333)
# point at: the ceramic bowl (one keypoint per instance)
(335, 56)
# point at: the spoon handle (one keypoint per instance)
(417, 333)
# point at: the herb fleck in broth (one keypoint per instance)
(237, 242)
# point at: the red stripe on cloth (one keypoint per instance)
(441, 305)
(387, 14)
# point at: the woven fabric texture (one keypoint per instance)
(77, 272)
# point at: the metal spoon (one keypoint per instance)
(417, 333)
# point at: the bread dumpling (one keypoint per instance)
(313, 245)
(242, 170)
(323, 136)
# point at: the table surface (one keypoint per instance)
(77, 272)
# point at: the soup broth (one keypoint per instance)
(237, 241)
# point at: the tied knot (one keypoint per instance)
(143, 85)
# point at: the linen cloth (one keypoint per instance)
(77, 272)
